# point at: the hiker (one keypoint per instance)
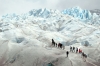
(67, 53)
(80, 51)
(60, 45)
(76, 49)
(53, 42)
(84, 56)
(73, 49)
(70, 49)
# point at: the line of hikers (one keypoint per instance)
(59, 45)
(72, 49)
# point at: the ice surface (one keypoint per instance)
(25, 40)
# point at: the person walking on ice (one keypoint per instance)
(70, 49)
(73, 49)
(76, 49)
(84, 56)
(67, 53)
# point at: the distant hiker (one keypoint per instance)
(80, 51)
(67, 53)
(84, 56)
(53, 42)
(76, 49)
(70, 49)
(59, 45)
(73, 49)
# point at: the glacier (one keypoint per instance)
(76, 12)
(25, 39)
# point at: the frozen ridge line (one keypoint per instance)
(76, 12)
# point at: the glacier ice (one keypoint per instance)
(40, 12)
(22, 34)
(82, 14)
(78, 13)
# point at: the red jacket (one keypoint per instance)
(80, 50)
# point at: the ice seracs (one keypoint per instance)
(77, 12)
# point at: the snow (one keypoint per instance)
(25, 40)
